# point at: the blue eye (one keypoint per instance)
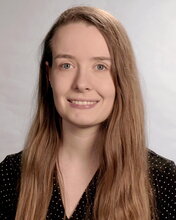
(66, 66)
(101, 67)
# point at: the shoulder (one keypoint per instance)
(161, 169)
(10, 169)
(157, 159)
(163, 177)
(9, 182)
(12, 159)
(10, 166)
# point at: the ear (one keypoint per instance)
(48, 72)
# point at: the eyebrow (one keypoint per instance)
(102, 58)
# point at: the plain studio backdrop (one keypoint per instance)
(151, 26)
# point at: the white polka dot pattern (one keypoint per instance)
(9, 182)
(162, 175)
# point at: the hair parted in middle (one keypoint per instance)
(124, 189)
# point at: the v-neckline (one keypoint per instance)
(92, 182)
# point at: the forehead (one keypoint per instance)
(79, 38)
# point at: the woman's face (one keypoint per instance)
(80, 75)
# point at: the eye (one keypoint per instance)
(101, 67)
(66, 66)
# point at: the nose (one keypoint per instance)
(82, 82)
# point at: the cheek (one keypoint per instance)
(59, 86)
(109, 90)
(58, 94)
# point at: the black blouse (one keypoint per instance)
(162, 174)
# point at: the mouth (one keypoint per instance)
(83, 102)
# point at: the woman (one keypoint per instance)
(85, 155)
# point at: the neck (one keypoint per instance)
(80, 144)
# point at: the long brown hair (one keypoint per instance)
(124, 191)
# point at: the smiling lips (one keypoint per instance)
(82, 104)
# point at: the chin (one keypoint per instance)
(84, 124)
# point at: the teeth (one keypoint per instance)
(83, 102)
